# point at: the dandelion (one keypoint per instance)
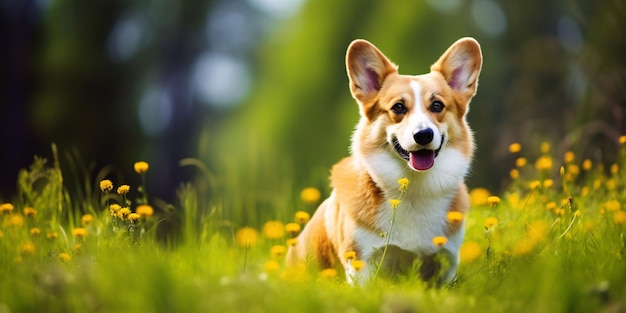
(619, 217)
(144, 210)
(394, 203)
(123, 189)
(491, 222)
(569, 157)
(548, 183)
(292, 242)
(271, 267)
(440, 241)
(493, 200)
(612, 205)
(6, 208)
(293, 228)
(622, 139)
(79, 232)
(328, 273)
(587, 164)
(64, 257)
(15, 220)
(614, 169)
(133, 217)
(27, 248)
(534, 185)
(278, 251)
(141, 167)
(86, 219)
(454, 217)
(123, 213)
(469, 252)
(357, 265)
(521, 162)
(114, 208)
(478, 196)
(106, 185)
(545, 147)
(246, 237)
(302, 217)
(551, 206)
(543, 163)
(30, 212)
(35, 231)
(514, 174)
(310, 195)
(274, 230)
(52, 235)
(404, 184)
(350, 255)
(515, 147)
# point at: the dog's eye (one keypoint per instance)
(436, 106)
(399, 108)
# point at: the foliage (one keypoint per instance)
(552, 242)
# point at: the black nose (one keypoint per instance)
(424, 137)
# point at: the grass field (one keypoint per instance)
(552, 242)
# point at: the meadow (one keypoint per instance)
(553, 241)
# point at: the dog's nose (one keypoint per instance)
(424, 136)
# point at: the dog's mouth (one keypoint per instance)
(419, 160)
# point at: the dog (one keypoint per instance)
(411, 129)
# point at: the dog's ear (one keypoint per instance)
(460, 66)
(367, 69)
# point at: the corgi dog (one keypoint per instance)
(411, 128)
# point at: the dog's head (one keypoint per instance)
(414, 117)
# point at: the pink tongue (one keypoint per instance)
(422, 160)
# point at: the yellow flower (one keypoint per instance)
(440, 241)
(569, 157)
(114, 208)
(27, 248)
(6, 208)
(310, 195)
(123, 189)
(548, 183)
(86, 219)
(521, 162)
(133, 216)
(469, 252)
(454, 217)
(30, 212)
(523, 246)
(587, 164)
(52, 235)
(123, 213)
(274, 230)
(533, 185)
(64, 257)
(141, 167)
(515, 147)
(545, 147)
(478, 196)
(619, 217)
(15, 220)
(573, 169)
(614, 169)
(302, 217)
(551, 206)
(394, 203)
(106, 185)
(543, 163)
(271, 267)
(613, 205)
(278, 251)
(35, 231)
(404, 184)
(293, 228)
(144, 210)
(490, 222)
(328, 273)
(350, 255)
(622, 139)
(357, 265)
(79, 232)
(493, 200)
(246, 237)
(292, 242)
(514, 174)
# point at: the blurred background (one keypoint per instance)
(257, 89)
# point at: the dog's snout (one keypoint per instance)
(424, 136)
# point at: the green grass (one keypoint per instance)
(552, 243)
